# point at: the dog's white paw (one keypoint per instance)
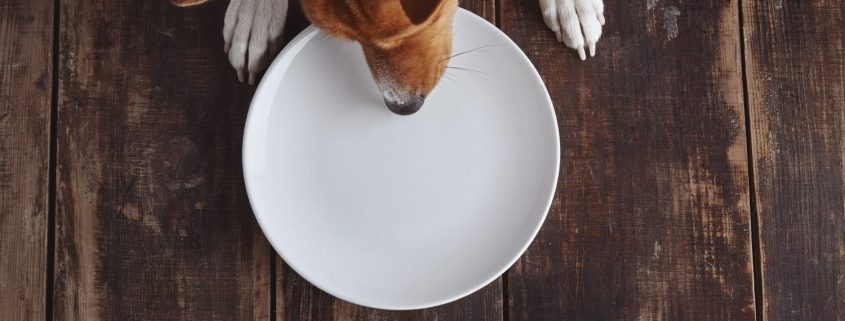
(577, 23)
(252, 31)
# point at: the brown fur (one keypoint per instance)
(405, 41)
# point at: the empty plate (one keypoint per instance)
(401, 212)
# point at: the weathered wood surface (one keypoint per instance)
(795, 56)
(26, 47)
(297, 300)
(483, 8)
(152, 221)
(651, 219)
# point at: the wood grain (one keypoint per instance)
(483, 8)
(26, 48)
(795, 55)
(152, 220)
(651, 217)
(297, 300)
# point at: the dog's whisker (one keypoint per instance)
(446, 76)
(471, 50)
(455, 81)
(468, 70)
(451, 81)
(449, 78)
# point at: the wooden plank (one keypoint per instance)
(153, 221)
(483, 8)
(795, 54)
(297, 300)
(651, 217)
(26, 35)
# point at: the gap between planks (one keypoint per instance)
(757, 275)
(52, 188)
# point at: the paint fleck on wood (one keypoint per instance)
(670, 21)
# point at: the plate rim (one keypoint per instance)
(296, 44)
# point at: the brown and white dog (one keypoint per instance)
(407, 43)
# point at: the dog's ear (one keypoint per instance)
(187, 3)
(418, 11)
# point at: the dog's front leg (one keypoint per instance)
(577, 23)
(252, 32)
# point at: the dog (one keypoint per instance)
(407, 43)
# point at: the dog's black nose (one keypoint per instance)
(405, 107)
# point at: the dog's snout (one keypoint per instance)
(406, 106)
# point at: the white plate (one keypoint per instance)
(401, 212)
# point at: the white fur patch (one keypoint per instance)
(252, 32)
(576, 23)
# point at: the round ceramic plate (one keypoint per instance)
(401, 212)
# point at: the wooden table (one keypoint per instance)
(701, 179)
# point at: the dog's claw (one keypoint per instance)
(252, 32)
(576, 23)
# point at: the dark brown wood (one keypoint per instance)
(795, 55)
(26, 48)
(153, 221)
(483, 8)
(651, 218)
(297, 300)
